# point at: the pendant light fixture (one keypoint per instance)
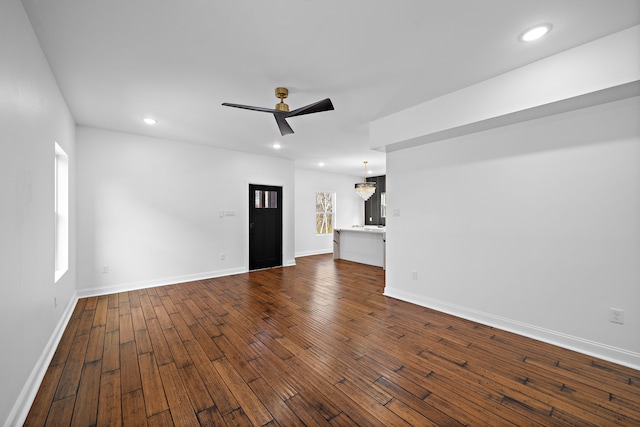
(365, 189)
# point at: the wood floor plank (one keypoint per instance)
(61, 412)
(168, 304)
(408, 414)
(182, 412)
(271, 372)
(143, 341)
(433, 414)
(134, 299)
(133, 410)
(176, 345)
(126, 328)
(160, 347)
(113, 319)
(100, 318)
(86, 321)
(85, 411)
(218, 390)
(205, 341)
(96, 344)
(196, 390)
(238, 354)
(210, 417)
(365, 410)
(40, 409)
(162, 419)
(145, 303)
(313, 344)
(281, 413)
(307, 412)
(154, 394)
(64, 346)
(110, 400)
(111, 351)
(182, 328)
(237, 418)
(113, 301)
(253, 407)
(70, 379)
(163, 317)
(129, 367)
(154, 297)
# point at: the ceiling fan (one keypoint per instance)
(281, 111)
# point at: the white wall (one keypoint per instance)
(33, 115)
(533, 227)
(349, 208)
(149, 209)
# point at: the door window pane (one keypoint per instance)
(257, 198)
(272, 200)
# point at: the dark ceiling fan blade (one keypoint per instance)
(284, 127)
(281, 113)
(316, 107)
(249, 107)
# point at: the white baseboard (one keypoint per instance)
(133, 286)
(20, 410)
(602, 351)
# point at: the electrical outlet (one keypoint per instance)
(616, 315)
(222, 256)
(55, 302)
(414, 275)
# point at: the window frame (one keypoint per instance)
(325, 213)
(61, 212)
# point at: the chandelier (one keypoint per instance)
(365, 189)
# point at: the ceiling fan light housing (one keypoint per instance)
(281, 106)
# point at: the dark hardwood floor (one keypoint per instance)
(315, 344)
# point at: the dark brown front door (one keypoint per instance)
(265, 226)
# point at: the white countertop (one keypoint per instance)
(366, 229)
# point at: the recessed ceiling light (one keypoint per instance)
(535, 33)
(276, 145)
(321, 164)
(150, 121)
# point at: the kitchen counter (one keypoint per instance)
(365, 245)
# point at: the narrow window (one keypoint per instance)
(325, 212)
(61, 208)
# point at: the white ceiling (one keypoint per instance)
(117, 61)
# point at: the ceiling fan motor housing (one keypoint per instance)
(282, 93)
